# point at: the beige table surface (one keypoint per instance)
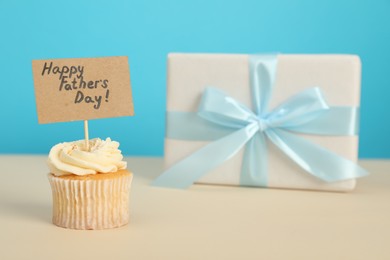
(203, 222)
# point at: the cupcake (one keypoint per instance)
(90, 187)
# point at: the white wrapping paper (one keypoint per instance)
(338, 76)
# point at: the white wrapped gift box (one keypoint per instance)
(338, 76)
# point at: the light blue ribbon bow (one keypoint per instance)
(231, 126)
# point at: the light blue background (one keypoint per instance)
(147, 31)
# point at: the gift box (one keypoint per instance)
(281, 121)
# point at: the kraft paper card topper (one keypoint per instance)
(82, 88)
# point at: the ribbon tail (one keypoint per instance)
(254, 164)
(187, 171)
(315, 159)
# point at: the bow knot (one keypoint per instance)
(262, 123)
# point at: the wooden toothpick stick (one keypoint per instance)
(86, 135)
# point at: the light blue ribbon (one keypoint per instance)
(232, 126)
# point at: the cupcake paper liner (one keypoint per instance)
(91, 204)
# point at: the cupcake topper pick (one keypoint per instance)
(81, 89)
(86, 135)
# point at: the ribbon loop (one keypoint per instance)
(299, 109)
(219, 108)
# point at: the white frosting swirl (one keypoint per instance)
(72, 157)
